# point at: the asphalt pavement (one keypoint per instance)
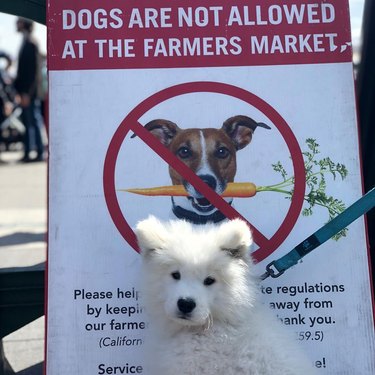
(23, 227)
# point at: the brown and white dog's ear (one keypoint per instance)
(164, 130)
(240, 129)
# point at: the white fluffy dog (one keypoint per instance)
(201, 297)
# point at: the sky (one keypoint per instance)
(10, 40)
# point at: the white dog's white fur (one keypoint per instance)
(201, 297)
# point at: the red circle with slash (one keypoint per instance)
(131, 124)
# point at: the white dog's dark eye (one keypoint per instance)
(176, 275)
(209, 280)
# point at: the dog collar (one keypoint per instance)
(195, 218)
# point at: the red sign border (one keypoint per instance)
(130, 123)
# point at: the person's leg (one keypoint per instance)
(37, 124)
(26, 118)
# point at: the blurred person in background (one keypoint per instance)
(26, 84)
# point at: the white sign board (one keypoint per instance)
(115, 68)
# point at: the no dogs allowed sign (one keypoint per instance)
(202, 112)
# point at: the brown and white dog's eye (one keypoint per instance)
(184, 152)
(222, 152)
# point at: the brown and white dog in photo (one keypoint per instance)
(211, 154)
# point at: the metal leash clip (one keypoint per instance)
(272, 271)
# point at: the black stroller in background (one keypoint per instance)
(11, 128)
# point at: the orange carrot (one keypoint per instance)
(172, 191)
(234, 189)
(240, 190)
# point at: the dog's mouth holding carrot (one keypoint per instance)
(211, 154)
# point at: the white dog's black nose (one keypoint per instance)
(186, 305)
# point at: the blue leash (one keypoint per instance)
(277, 267)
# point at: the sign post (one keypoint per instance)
(116, 68)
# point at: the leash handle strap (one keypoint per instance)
(277, 267)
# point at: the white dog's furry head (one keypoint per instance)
(196, 275)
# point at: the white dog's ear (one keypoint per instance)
(151, 235)
(235, 237)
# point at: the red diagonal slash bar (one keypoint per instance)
(190, 176)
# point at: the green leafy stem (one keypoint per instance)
(316, 171)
